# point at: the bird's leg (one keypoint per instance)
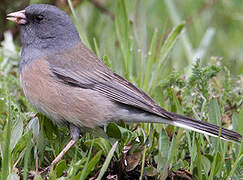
(75, 133)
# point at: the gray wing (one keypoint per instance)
(87, 71)
(76, 70)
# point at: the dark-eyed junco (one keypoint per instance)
(66, 82)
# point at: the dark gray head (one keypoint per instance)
(44, 28)
(48, 27)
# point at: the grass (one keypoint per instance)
(145, 47)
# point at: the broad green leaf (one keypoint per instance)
(163, 150)
(22, 143)
(214, 112)
(34, 126)
(164, 144)
(16, 133)
(118, 132)
(37, 177)
(150, 171)
(206, 164)
(60, 167)
(100, 143)
(214, 118)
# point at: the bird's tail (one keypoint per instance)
(202, 127)
(163, 116)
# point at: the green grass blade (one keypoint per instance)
(199, 161)
(143, 163)
(240, 121)
(149, 61)
(237, 161)
(140, 35)
(122, 29)
(107, 161)
(164, 52)
(80, 29)
(27, 156)
(185, 40)
(84, 171)
(97, 52)
(215, 165)
(92, 163)
(164, 151)
(6, 149)
(204, 44)
(215, 118)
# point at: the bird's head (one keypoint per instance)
(45, 26)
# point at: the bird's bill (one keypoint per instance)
(18, 17)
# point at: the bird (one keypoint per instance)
(69, 84)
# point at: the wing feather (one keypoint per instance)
(76, 70)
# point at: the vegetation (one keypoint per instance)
(185, 54)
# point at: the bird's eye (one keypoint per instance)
(39, 17)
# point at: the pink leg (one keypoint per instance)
(60, 155)
(75, 133)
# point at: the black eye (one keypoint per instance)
(39, 17)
